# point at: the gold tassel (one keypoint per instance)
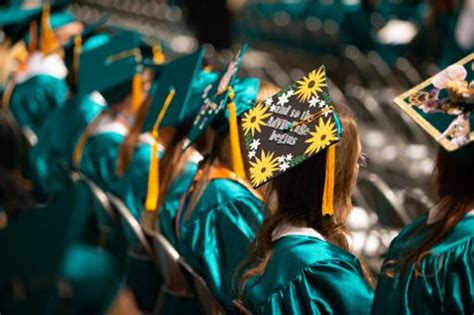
(49, 43)
(237, 162)
(33, 44)
(153, 190)
(158, 56)
(328, 195)
(84, 138)
(137, 92)
(76, 59)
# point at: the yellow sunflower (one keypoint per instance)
(253, 119)
(324, 134)
(311, 85)
(262, 169)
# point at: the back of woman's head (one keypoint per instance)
(298, 196)
(453, 177)
(299, 192)
(15, 189)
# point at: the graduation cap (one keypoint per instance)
(15, 21)
(443, 105)
(290, 127)
(215, 99)
(87, 40)
(108, 64)
(180, 75)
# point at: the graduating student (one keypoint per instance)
(429, 268)
(102, 151)
(186, 76)
(54, 150)
(39, 84)
(309, 148)
(44, 267)
(170, 96)
(219, 215)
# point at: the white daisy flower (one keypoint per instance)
(281, 159)
(283, 99)
(313, 101)
(284, 166)
(255, 144)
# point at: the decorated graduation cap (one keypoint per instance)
(290, 127)
(215, 98)
(443, 106)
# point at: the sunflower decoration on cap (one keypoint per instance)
(290, 127)
(443, 104)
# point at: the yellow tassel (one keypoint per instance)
(237, 162)
(77, 154)
(84, 138)
(137, 92)
(158, 56)
(33, 44)
(49, 43)
(328, 196)
(153, 190)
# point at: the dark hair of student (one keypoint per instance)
(453, 179)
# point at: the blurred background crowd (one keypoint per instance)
(372, 49)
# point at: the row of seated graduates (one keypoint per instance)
(59, 178)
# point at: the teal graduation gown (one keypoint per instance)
(446, 285)
(216, 236)
(34, 99)
(307, 275)
(178, 187)
(57, 139)
(135, 183)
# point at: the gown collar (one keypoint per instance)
(286, 229)
(110, 124)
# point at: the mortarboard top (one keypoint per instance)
(215, 99)
(179, 75)
(89, 39)
(15, 22)
(109, 65)
(290, 127)
(443, 105)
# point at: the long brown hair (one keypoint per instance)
(453, 178)
(299, 198)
